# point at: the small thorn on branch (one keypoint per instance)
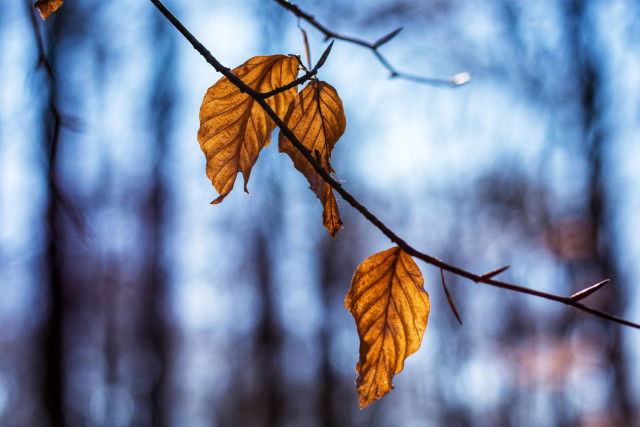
(446, 292)
(324, 56)
(588, 291)
(386, 38)
(493, 273)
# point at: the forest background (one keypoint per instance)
(169, 310)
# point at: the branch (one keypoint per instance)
(457, 80)
(346, 196)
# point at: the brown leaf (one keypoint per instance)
(47, 7)
(233, 126)
(391, 308)
(316, 117)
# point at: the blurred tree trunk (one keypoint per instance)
(593, 103)
(54, 323)
(329, 273)
(268, 337)
(257, 395)
(154, 329)
(336, 260)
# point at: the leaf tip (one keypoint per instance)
(365, 400)
(218, 200)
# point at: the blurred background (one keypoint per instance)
(127, 300)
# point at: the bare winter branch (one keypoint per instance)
(457, 80)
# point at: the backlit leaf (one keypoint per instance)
(390, 308)
(316, 117)
(47, 7)
(233, 126)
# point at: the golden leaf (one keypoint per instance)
(47, 7)
(233, 126)
(390, 308)
(316, 117)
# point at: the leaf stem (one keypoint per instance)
(346, 196)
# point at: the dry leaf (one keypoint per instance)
(390, 308)
(233, 126)
(47, 7)
(316, 117)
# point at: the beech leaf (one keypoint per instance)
(47, 7)
(390, 307)
(316, 118)
(233, 126)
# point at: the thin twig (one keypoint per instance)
(449, 299)
(457, 80)
(346, 196)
